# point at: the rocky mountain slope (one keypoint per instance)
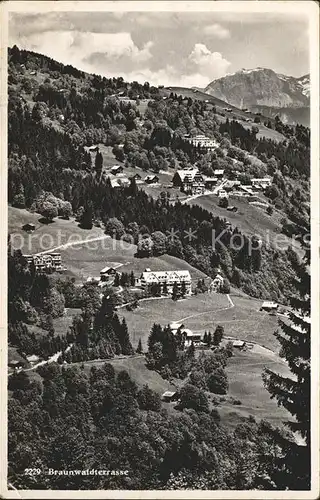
(262, 87)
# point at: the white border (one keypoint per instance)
(307, 8)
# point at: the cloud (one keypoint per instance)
(217, 31)
(208, 64)
(77, 48)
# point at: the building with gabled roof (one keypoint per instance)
(190, 181)
(169, 396)
(45, 262)
(216, 283)
(262, 183)
(269, 306)
(151, 179)
(166, 279)
(116, 169)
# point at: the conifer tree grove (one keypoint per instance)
(293, 393)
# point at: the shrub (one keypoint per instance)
(217, 382)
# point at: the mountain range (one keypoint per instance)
(264, 90)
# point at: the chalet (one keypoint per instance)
(169, 396)
(93, 149)
(261, 183)
(45, 262)
(137, 177)
(223, 193)
(210, 182)
(122, 182)
(191, 337)
(166, 279)
(33, 359)
(202, 142)
(230, 185)
(93, 280)
(151, 179)
(116, 169)
(239, 344)
(174, 327)
(29, 227)
(269, 306)
(16, 364)
(216, 283)
(190, 181)
(107, 272)
(218, 173)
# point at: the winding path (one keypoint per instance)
(231, 304)
(73, 243)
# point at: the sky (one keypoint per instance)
(167, 48)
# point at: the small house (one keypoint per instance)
(16, 364)
(230, 185)
(93, 149)
(269, 306)
(239, 344)
(210, 182)
(107, 272)
(216, 283)
(223, 193)
(191, 337)
(93, 280)
(33, 359)
(174, 327)
(232, 209)
(189, 180)
(116, 169)
(151, 179)
(218, 173)
(169, 396)
(137, 177)
(122, 182)
(261, 183)
(29, 227)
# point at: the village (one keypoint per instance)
(190, 180)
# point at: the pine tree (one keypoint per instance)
(132, 279)
(165, 288)
(155, 335)
(175, 291)
(139, 348)
(218, 335)
(124, 339)
(205, 337)
(191, 350)
(294, 393)
(86, 218)
(183, 289)
(116, 281)
(98, 163)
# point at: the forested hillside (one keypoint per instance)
(71, 415)
(55, 111)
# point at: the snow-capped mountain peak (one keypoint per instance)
(261, 86)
